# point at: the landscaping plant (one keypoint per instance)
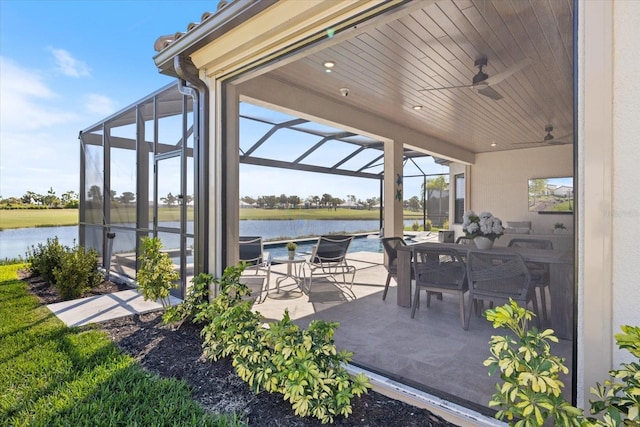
(303, 365)
(156, 276)
(619, 397)
(43, 259)
(531, 390)
(72, 271)
(196, 301)
(77, 272)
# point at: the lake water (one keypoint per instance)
(15, 242)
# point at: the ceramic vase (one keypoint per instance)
(483, 242)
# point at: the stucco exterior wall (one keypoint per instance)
(626, 160)
(500, 183)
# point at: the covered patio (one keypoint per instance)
(401, 76)
(431, 353)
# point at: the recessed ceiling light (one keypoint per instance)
(329, 64)
(493, 144)
(417, 107)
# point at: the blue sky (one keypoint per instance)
(65, 65)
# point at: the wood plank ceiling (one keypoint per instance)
(387, 68)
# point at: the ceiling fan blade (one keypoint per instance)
(445, 88)
(561, 141)
(495, 79)
(490, 92)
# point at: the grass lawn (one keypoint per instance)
(57, 217)
(51, 374)
(20, 218)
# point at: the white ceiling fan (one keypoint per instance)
(549, 138)
(482, 82)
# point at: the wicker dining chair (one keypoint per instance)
(499, 276)
(540, 272)
(391, 245)
(439, 270)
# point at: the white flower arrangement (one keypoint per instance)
(485, 225)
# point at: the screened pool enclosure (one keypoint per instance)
(139, 174)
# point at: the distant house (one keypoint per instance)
(350, 205)
(563, 191)
(246, 205)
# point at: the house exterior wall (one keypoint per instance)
(607, 164)
(626, 159)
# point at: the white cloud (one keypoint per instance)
(36, 161)
(68, 65)
(38, 133)
(22, 99)
(100, 104)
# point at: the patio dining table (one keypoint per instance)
(561, 278)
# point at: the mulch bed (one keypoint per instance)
(178, 354)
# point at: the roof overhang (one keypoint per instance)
(231, 16)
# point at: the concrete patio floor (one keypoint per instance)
(100, 308)
(431, 352)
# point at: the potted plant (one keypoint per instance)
(291, 248)
(484, 229)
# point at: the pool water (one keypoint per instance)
(359, 244)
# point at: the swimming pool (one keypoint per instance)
(359, 244)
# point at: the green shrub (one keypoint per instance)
(429, 225)
(445, 224)
(619, 397)
(196, 301)
(45, 258)
(156, 275)
(227, 315)
(531, 390)
(306, 368)
(415, 226)
(303, 365)
(77, 272)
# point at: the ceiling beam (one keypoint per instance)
(302, 167)
(297, 101)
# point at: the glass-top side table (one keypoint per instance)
(294, 271)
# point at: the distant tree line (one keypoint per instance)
(437, 189)
(326, 201)
(128, 198)
(33, 200)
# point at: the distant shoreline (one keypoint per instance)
(29, 218)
